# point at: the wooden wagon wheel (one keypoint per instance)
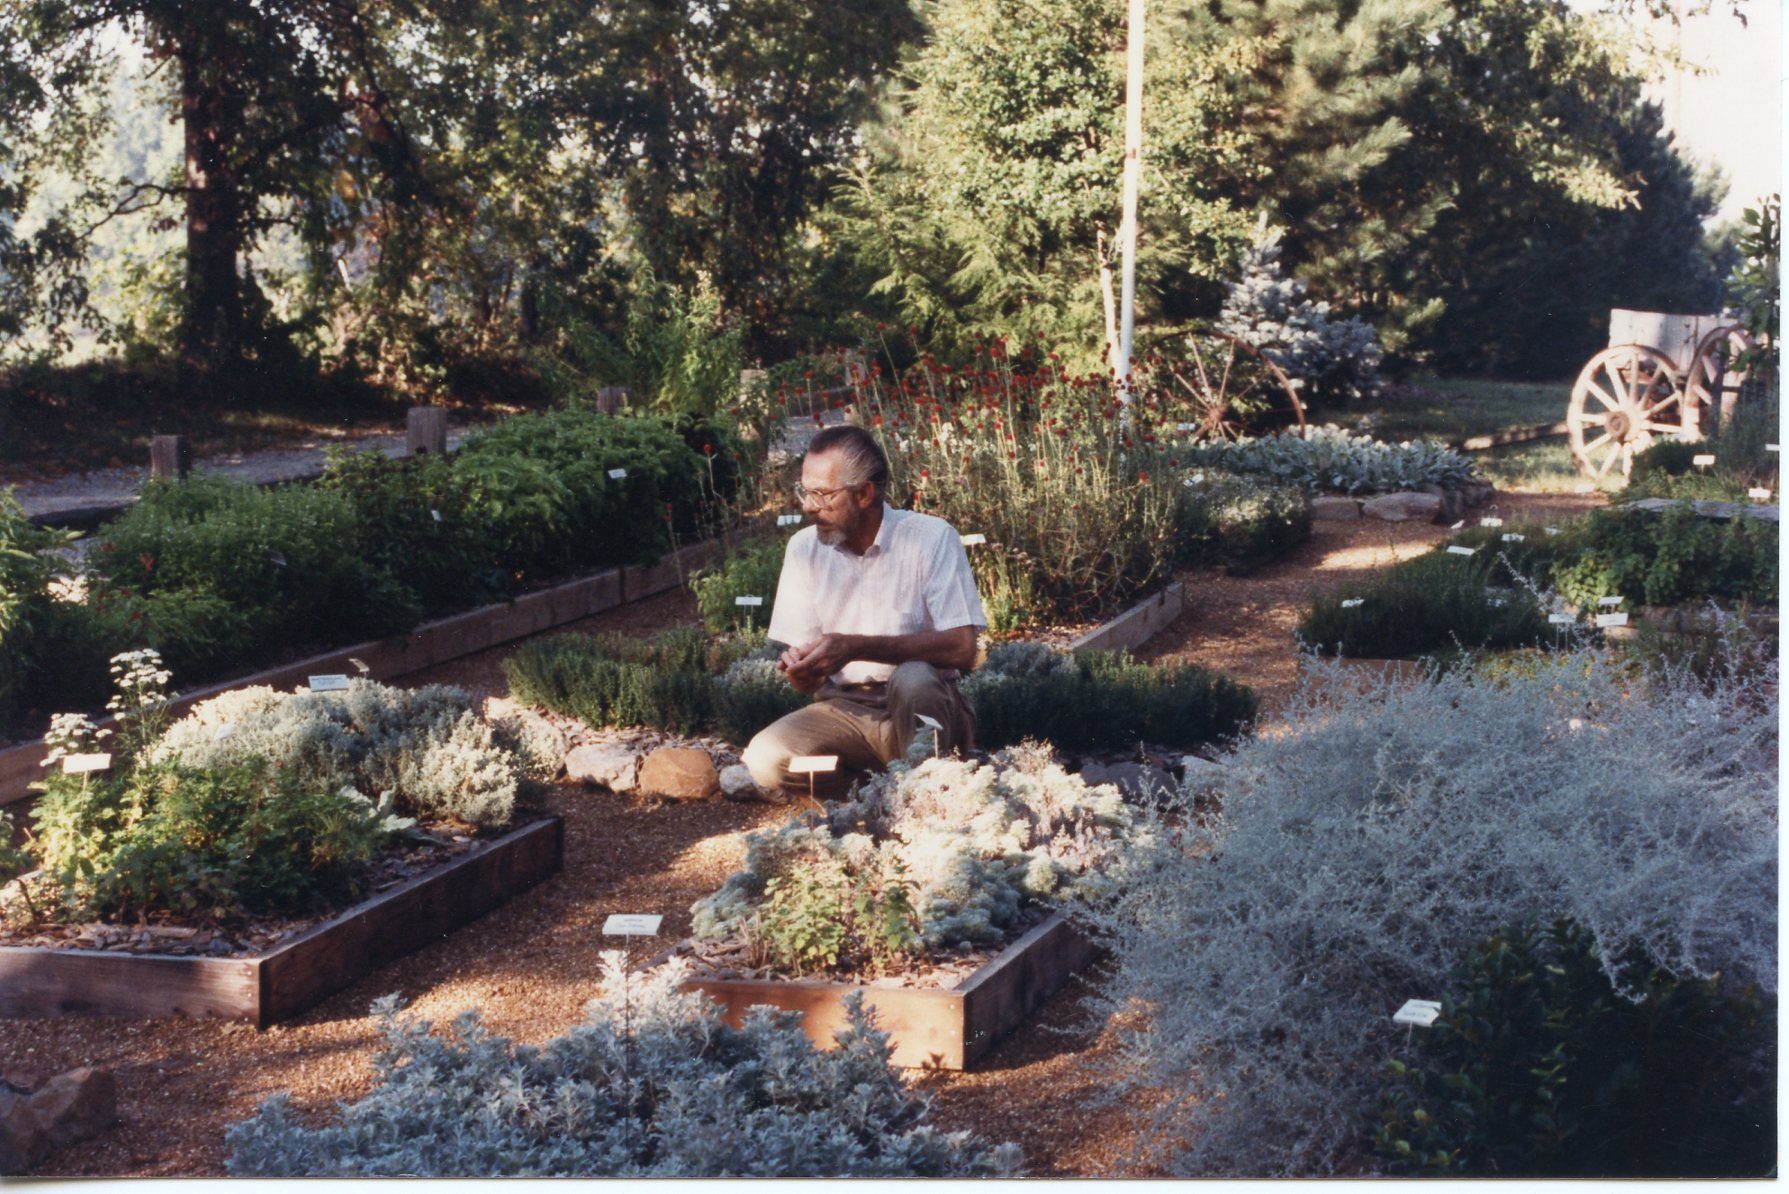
(1236, 390)
(1622, 399)
(1716, 374)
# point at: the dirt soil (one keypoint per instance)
(531, 965)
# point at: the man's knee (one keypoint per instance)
(914, 678)
(767, 759)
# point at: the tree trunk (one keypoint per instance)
(1108, 297)
(211, 332)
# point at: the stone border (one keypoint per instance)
(431, 643)
(938, 1028)
(38, 981)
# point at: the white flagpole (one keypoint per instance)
(1133, 166)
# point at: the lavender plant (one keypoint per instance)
(1369, 843)
(652, 1084)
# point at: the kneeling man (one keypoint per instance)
(882, 612)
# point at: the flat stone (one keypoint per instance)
(23, 1142)
(1402, 507)
(614, 767)
(76, 1106)
(1200, 776)
(737, 783)
(1335, 509)
(679, 773)
(1134, 780)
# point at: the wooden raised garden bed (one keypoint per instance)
(296, 974)
(939, 1028)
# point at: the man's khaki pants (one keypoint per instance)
(866, 726)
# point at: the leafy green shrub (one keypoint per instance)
(749, 570)
(418, 522)
(425, 747)
(1435, 602)
(1665, 457)
(1539, 1067)
(26, 568)
(1101, 700)
(605, 683)
(1329, 459)
(813, 919)
(653, 1084)
(290, 559)
(1241, 520)
(1376, 835)
(540, 484)
(972, 846)
(750, 695)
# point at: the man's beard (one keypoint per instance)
(841, 530)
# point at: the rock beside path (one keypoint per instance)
(614, 767)
(1403, 507)
(66, 1110)
(679, 773)
(737, 783)
(1335, 509)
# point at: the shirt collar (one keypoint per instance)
(884, 535)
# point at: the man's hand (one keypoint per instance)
(818, 659)
(799, 677)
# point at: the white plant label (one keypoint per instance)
(632, 924)
(1773, 447)
(222, 732)
(787, 520)
(809, 764)
(936, 725)
(436, 514)
(1458, 526)
(1185, 427)
(1609, 601)
(617, 474)
(1454, 549)
(329, 683)
(1421, 1012)
(974, 540)
(748, 601)
(1562, 619)
(1761, 495)
(1196, 479)
(79, 764)
(1351, 602)
(1703, 461)
(359, 666)
(1604, 621)
(1493, 521)
(1552, 530)
(1512, 537)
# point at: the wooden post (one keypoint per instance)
(426, 431)
(170, 457)
(610, 399)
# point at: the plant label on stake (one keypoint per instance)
(1773, 448)
(1604, 621)
(1702, 461)
(329, 683)
(628, 926)
(1183, 428)
(1551, 530)
(436, 514)
(1513, 537)
(750, 604)
(1562, 619)
(1351, 602)
(1454, 549)
(974, 540)
(1458, 526)
(1419, 1012)
(632, 924)
(81, 764)
(1491, 521)
(617, 474)
(1758, 495)
(937, 729)
(810, 766)
(1610, 602)
(359, 666)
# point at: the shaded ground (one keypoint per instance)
(531, 965)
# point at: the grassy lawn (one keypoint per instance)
(1453, 408)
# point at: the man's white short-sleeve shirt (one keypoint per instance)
(914, 577)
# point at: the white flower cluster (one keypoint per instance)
(651, 1085)
(979, 842)
(71, 734)
(140, 682)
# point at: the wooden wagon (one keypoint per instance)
(1662, 375)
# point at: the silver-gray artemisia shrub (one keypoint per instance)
(1367, 842)
(651, 1085)
(426, 746)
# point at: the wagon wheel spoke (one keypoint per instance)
(1598, 442)
(1594, 420)
(1614, 453)
(1596, 392)
(1616, 381)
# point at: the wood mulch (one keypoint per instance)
(530, 966)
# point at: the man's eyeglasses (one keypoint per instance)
(821, 496)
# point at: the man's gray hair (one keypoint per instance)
(861, 455)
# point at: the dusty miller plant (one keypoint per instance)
(652, 1084)
(1365, 846)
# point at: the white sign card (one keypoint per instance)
(1702, 461)
(329, 683)
(359, 666)
(809, 764)
(437, 515)
(276, 559)
(1604, 621)
(1184, 427)
(1610, 601)
(1454, 549)
(1512, 537)
(1196, 479)
(974, 540)
(1492, 521)
(1461, 525)
(617, 474)
(787, 520)
(1552, 530)
(748, 601)
(632, 924)
(1773, 447)
(1562, 619)
(77, 764)
(930, 721)
(1351, 602)
(1762, 495)
(1421, 1012)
